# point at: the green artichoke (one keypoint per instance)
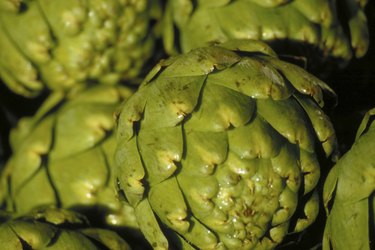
(350, 186)
(288, 25)
(59, 44)
(52, 228)
(218, 149)
(63, 155)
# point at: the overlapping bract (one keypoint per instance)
(320, 30)
(63, 155)
(51, 228)
(218, 147)
(59, 44)
(350, 187)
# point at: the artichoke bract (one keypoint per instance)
(59, 44)
(51, 228)
(310, 28)
(218, 147)
(63, 156)
(349, 194)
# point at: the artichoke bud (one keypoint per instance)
(44, 170)
(316, 27)
(241, 159)
(70, 43)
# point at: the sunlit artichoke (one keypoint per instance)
(320, 30)
(52, 228)
(218, 149)
(59, 44)
(63, 155)
(349, 194)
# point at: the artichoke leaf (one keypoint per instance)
(347, 226)
(246, 45)
(330, 185)
(93, 123)
(167, 201)
(289, 119)
(16, 67)
(110, 239)
(100, 94)
(179, 95)
(259, 24)
(160, 149)
(35, 41)
(253, 78)
(214, 114)
(65, 18)
(287, 165)
(10, 5)
(304, 82)
(321, 124)
(75, 241)
(334, 38)
(210, 4)
(356, 183)
(242, 166)
(150, 226)
(201, 61)
(204, 151)
(199, 30)
(311, 210)
(318, 11)
(31, 152)
(12, 240)
(80, 177)
(28, 195)
(270, 3)
(130, 171)
(13, 83)
(288, 203)
(37, 235)
(300, 28)
(199, 192)
(358, 28)
(126, 122)
(158, 68)
(243, 24)
(310, 169)
(257, 139)
(200, 236)
(366, 123)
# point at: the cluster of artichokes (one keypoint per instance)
(180, 124)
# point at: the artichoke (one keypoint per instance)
(218, 148)
(63, 156)
(59, 44)
(287, 25)
(350, 186)
(52, 228)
